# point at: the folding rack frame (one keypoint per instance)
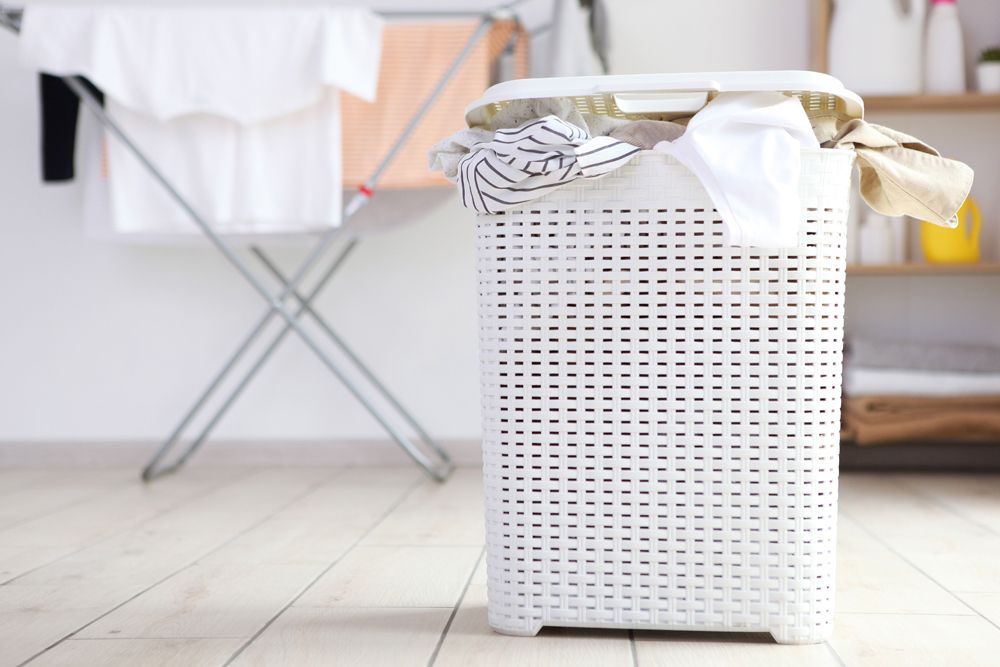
(429, 455)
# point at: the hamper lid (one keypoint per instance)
(636, 95)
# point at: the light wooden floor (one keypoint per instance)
(378, 566)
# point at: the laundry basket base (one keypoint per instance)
(516, 632)
(792, 635)
(788, 635)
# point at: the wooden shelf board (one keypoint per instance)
(820, 16)
(964, 102)
(923, 269)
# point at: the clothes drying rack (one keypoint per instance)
(428, 454)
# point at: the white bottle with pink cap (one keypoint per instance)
(944, 53)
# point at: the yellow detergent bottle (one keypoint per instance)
(953, 246)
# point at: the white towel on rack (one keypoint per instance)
(246, 64)
(745, 149)
(905, 382)
(571, 52)
(238, 106)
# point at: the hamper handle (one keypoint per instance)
(661, 102)
(688, 96)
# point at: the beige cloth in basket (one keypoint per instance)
(414, 57)
(900, 175)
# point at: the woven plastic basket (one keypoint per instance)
(661, 412)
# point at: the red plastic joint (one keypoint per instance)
(365, 190)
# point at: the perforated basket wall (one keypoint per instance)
(603, 104)
(661, 413)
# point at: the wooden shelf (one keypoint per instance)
(964, 102)
(914, 269)
(821, 13)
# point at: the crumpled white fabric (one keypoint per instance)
(745, 149)
(246, 64)
(447, 154)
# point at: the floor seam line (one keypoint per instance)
(223, 544)
(946, 507)
(166, 510)
(87, 497)
(833, 652)
(148, 638)
(919, 569)
(903, 613)
(454, 612)
(373, 606)
(402, 498)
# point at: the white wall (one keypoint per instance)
(106, 342)
(709, 35)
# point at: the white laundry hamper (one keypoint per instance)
(661, 412)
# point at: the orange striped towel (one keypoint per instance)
(414, 57)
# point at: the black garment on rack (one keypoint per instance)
(59, 110)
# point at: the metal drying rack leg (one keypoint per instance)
(439, 470)
(276, 302)
(152, 470)
(11, 18)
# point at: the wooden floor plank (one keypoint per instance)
(975, 497)
(127, 504)
(873, 578)
(58, 489)
(182, 579)
(272, 489)
(348, 637)
(79, 588)
(15, 561)
(715, 649)
(135, 652)
(437, 515)
(877, 640)
(479, 576)
(207, 600)
(986, 604)
(470, 641)
(261, 571)
(42, 540)
(333, 517)
(395, 577)
(955, 552)
(15, 479)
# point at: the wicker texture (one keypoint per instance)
(604, 104)
(661, 413)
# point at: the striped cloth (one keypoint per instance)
(527, 162)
